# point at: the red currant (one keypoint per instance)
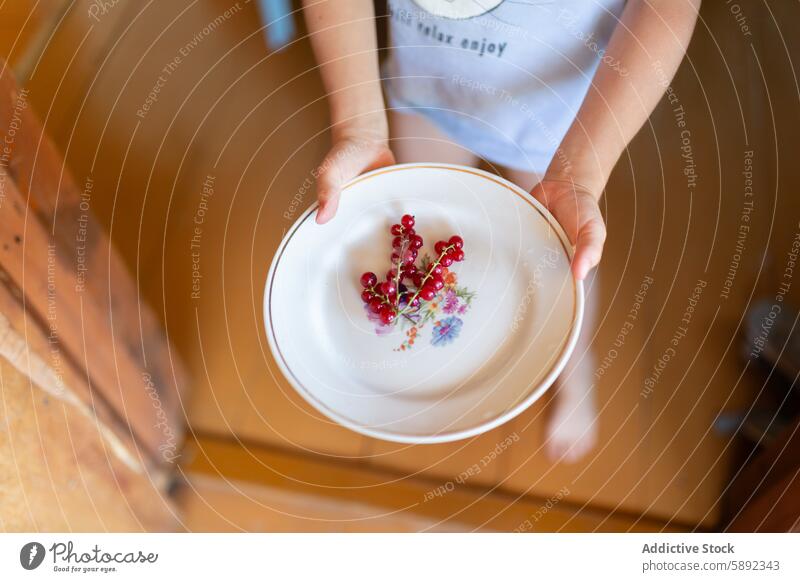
(389, 299)
(368, 279)
(387, 315)
(428, 292)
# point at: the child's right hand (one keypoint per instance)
(354, 152)
(576, 209)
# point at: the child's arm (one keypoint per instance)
(645, 50)
(344, 41)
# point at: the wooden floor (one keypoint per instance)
(252, 124)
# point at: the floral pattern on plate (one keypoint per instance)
(442, 315)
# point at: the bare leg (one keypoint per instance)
(415, 139)
(572, 425)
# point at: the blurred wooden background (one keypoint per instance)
(152, 101)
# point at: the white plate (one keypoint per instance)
(513, 338)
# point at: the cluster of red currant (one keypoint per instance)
(393, 297)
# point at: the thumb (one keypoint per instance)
(588, 247)
(344, 162)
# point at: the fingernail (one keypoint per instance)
(579, 270)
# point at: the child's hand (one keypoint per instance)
(352, 154)
(578, 212)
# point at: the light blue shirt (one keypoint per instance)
(504, 78)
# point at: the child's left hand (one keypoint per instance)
(578, 212)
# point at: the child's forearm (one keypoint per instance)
(642, 56)
(344, 41)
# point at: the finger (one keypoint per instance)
(333, 175)
(341, 165)
(588, 248)
(541, 195)
(328, 204)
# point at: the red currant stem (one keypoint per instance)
(428, 275)
(380, 295)
(398, 267)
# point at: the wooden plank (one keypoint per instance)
(23, 24)
(210, 504)
(27, 345)
(479, 460)
(370, 499)
(72, 278)
(59, 79)
(79, 332)
(58, 469)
